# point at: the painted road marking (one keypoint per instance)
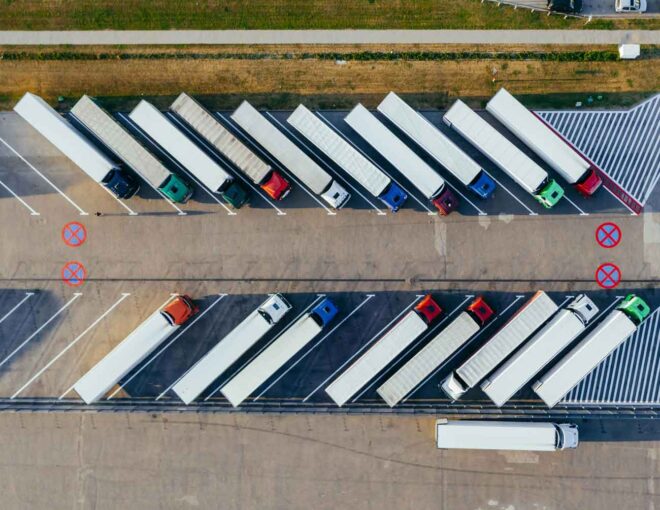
(124, 295)
(530, 211)
(28, 295)
(27, 340)
(74, 273)
(32, 211)
(74, 234)
(608, 235)
(608, 275)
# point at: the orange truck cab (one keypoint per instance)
(180, 309)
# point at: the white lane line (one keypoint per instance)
(28, 295)
(215, 152)
(160, 351)
(82, 213)
(531, 212)
(276, 163)
(369, 296)
(131, 212)
(582, 213)
(479, 211)
(352, 144)
(75, 296)
(318, 298)
(32, 211)
(371, 341)
(129, 121)
(124, 295)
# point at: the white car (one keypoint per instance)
(630, 6)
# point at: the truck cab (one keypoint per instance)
(635, 308)
(584, 308)
(324, 312)
(176, 189)
(121, 183)
(630, 6)
(336, 195)
(235, 195)
(589, 183)
(179, 310)
(428, 309)
(483, 185)
(549, 194)
(480, 311)
(274, 308)
(446, 201)
(567, 436)
(276, 186)
(393, 197)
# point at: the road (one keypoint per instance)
(129, 37)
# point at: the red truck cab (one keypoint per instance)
(276, 186)
(446, 202)
(480, 310)
(590, 183)
(428, 309)
(180, 309)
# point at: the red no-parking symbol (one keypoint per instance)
(608, 235)
(74, 234)
(74, 273)
(608, 275)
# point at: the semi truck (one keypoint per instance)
(552, 339)
(384, 351)
(436, 352)
(590, 352)
(290, 155)
(190, 156)
(202, 121)
(135, 348)
(113, 135)
(530, 317)
(545, 142)
(273, 357)
(505, 435)
(421, 175)
(230, 348)
(514, 162)
(437, 145)
(348, 158)
(52, 126)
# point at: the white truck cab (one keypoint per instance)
(274, 308)
(630, 6)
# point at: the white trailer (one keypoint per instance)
(289, 154)
(521, 326)
(558, 334)
(615, 329)
(421, 175)
(515, 163)
(545, 142)
(437, 145)
(347, 157)
(503, 435)
(228, 350)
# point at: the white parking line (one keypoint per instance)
(531, 212)
(276, 164)
(318, 298)
(131, 212)
(32, 211)
(75, 296)
(160, 351)
(128, 120)
(82, 213)
(372, 340)
(124, 295)
(28, 295)
(213, 151)
(582, 213)
(369, 296)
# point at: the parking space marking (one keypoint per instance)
(124, 295)
(131, 212)
(352, 144)
(128, 121)
(530, 211)
(82, 213)
(215, 152)
(582, 213)
(371, 341)
(319, 297)
(162, 349)
(276, 164)
(27, 340)
(369, 296)
(28, 295)
(32, 211)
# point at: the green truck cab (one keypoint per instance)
(635, 308)
(235, 195)
(176, 189)
(549, 194)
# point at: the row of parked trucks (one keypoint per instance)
(195, 140)
(536, 334)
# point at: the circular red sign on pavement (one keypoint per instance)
(608, 235)
(74, 234)
(608, 275)
(74, 273)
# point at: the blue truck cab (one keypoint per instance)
(324, 312)
(121, 183)
(482, 185)
(393, 197)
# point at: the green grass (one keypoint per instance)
(284, 14)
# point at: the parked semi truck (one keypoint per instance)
(134, 348)
(421, 175)
(437, 145)
(289, 154)
(384, 351)
(190, 156)
(505, 435)
(228, 350)
(113, 135)
(52, 126)
(590, 352)
(545, 142)
(436, 352)
(202, 121)
(530, 317)
(348, 158)
(515, 163)
(273, 357)
(552, 339)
